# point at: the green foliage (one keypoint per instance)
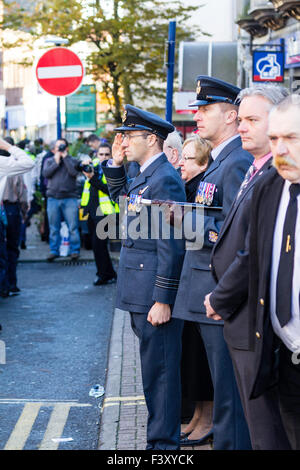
(128, 41)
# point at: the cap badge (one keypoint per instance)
(198, 89)
(124, 116)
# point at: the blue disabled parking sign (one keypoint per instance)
(268, 66)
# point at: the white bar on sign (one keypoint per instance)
(63, 71)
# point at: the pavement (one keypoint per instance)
(123, 414)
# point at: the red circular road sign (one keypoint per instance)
(59, 71)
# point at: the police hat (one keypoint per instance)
(212, 90)
(136, 119)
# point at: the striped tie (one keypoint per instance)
(247, 178)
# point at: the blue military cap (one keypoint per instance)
(213, 90)
(135, 119)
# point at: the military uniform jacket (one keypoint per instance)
(226, 172)
(230, 267)
(150, 266)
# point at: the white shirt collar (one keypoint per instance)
(217, 150)
(149, 161)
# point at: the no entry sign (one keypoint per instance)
(59, 71)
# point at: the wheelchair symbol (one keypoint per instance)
(268, 67)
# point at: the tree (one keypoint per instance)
(127, 41)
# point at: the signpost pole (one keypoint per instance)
(58, 119)
(170, 75)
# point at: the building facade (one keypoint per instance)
(272, 26)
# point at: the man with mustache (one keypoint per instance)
(273, 251)
(229, 298)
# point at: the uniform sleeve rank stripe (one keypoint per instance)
(162, 286)
(167, 279)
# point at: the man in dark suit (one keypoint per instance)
(150, 266)
(273, 305)
(217, 122)
(262, 414)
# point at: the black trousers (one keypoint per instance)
(262, 414)
(289, 394)
(13, 230)
(103, 261)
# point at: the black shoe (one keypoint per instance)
(14, 289)
(74, 256)
(197, 442)
(184, 434)
(4, 293)
(52, 257)
(100, 281)
(23, 245)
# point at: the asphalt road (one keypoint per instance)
(55, 336)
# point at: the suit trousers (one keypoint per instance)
(229, 425)
(160, 352)
(262, 413)
(289, 394)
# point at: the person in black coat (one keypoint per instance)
(197, 388)
(262, 414)
(273, 333)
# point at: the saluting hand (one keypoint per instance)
(117, 150)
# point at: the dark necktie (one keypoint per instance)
(247, 178)
(284, 282)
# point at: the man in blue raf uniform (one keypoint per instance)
(149, 268)
(216, 119)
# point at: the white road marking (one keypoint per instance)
(25, 423)
(22, 429)
(55, 426)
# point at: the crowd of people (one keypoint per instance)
(218, 323)
(54, 190)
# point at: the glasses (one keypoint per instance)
(188, 158)
(129, 137)
(104, 154)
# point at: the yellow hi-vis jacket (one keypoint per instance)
(107, 206)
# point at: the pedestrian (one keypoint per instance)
(149, 268)
(197, 388)
(31, 181)
(43, 182)
(96, 202)
(216, 120)
(60, 171)
(274, 288)
(262, 414)
(15, 203)
(13, 161)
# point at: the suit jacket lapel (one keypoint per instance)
(271, 197)
(236, 204)
(142, 177)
